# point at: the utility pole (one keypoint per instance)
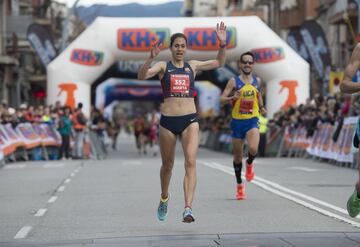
(358, 15)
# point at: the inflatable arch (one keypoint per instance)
(109, 39)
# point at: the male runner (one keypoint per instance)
(247, 104)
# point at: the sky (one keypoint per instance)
(70, 3)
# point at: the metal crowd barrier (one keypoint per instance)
(294, 142)
(41, 142)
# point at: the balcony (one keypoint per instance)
(258, 12)
(339, 10)
(8, 60)
(18, 25)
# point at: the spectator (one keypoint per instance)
(65, 124)
(80, 121)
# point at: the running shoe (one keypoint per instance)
(162, 211)
(240, 192)
(188, 216)
(353, 205)
(249, 174)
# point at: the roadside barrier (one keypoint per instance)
(39, 142)
(294, 142)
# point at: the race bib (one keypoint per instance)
(179, 84)
(246, 106)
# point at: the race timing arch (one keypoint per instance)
(108, 40)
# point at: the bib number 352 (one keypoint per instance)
(179, 84)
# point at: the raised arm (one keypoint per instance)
(347, 86)
(220, 58)
(145, 72)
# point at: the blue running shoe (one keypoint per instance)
(162, 211)
(188, 216)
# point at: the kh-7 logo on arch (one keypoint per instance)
(141, 39)
(87, 57)
(204, 39)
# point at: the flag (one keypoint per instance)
(335, 78)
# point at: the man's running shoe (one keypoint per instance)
(240, 192)
(249, 174)
(353, 205)
(162, 211)
(188, 216)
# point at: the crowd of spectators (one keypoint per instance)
(320, 109)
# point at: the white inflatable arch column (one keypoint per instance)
(108, 39)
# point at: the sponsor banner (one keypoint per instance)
(126, 92)
(46, 135)
(87, 57)
(142, 39)
(335, 78)
(11, 135)
(52, 134)
(295, 40)
(205, 39)
(323, 145)
(5, 144)
(40, 39)
(28, 135)
(317, 46)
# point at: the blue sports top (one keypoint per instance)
(178, 82)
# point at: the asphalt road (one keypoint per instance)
(113, 202)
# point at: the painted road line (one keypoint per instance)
(266, 187)
(131, 163)
(40, 212)
(52, 199)
(72, 174)
(309, 198)
(301, 168)
(17, 166)
(282, 188)
(77, 170)
(53, 165)
(23, 232)
(67, 180)
(61, 188)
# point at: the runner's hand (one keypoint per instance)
(356, 52)
(263, 111)
(155, 50)
(221, 33)
(236, 95)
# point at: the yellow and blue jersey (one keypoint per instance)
(247, 105)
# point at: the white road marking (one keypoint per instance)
(67, 180)
(15, 166)
(23, 232)
(72, 174)
(77, 170)
(52, 199)
(53, 165)
(131, 163)
(61, 188)
(265, 184)
(301, 168)
(40, 212)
